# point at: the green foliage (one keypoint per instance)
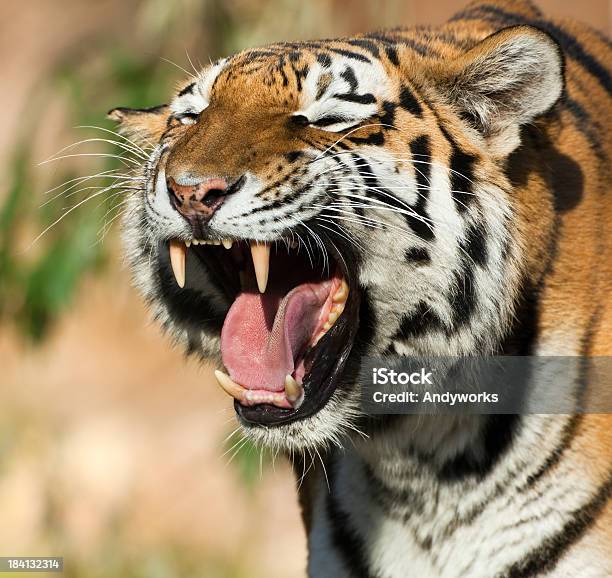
(38, 283)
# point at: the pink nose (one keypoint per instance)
(199, 200)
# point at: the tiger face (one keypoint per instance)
(307, 204)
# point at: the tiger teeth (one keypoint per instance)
(260, 252)
(341, 293)
(178, 253)
(227, 243)
(264, 397)
(294, 391)
(339, 299)
(230, 386)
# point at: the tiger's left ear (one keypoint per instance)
(142, 125)
(505, 81)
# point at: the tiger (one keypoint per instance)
(439, 191)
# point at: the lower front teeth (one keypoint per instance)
(294, 392)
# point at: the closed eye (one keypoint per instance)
(331, 123)
(329, 120)
(336, 123)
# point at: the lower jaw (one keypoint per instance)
(324, 378)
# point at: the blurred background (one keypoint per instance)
(113, 448)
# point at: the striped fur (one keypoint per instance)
(464, 173)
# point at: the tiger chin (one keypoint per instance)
(416, 191)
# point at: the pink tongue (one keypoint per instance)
(263, 334)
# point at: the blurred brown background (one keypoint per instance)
(111, 445)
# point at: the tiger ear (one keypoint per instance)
(142, 125)
(505, 81)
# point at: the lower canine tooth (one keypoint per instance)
(230, 386)
(178, 252)
(294, 391)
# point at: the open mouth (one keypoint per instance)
(290, 327)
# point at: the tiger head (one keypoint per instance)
(306, 204)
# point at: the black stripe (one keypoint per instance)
(346, 540)
(293, 156)
(349, 75)
(398, 40)
(328, 120)
(398, 503)
(462, 295)
(409, 102)
(280, 67)
(498, 433)
(419, 222)
(461, 177)
(187, 90)
(546, 556)
(569, 431)
(388, 118)
(419, 322)
(358, 98)
(324, 60)
(391, 53)
(417, 256)
(366, 45)
(475, 244)
(350, 54)
(300, 74)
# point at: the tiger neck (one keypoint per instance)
(454, 447)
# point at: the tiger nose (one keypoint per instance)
(200, 199)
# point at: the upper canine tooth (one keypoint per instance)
(260, 252)
(294, 391)
(178, 252)
(188, 244)
(227, 243)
